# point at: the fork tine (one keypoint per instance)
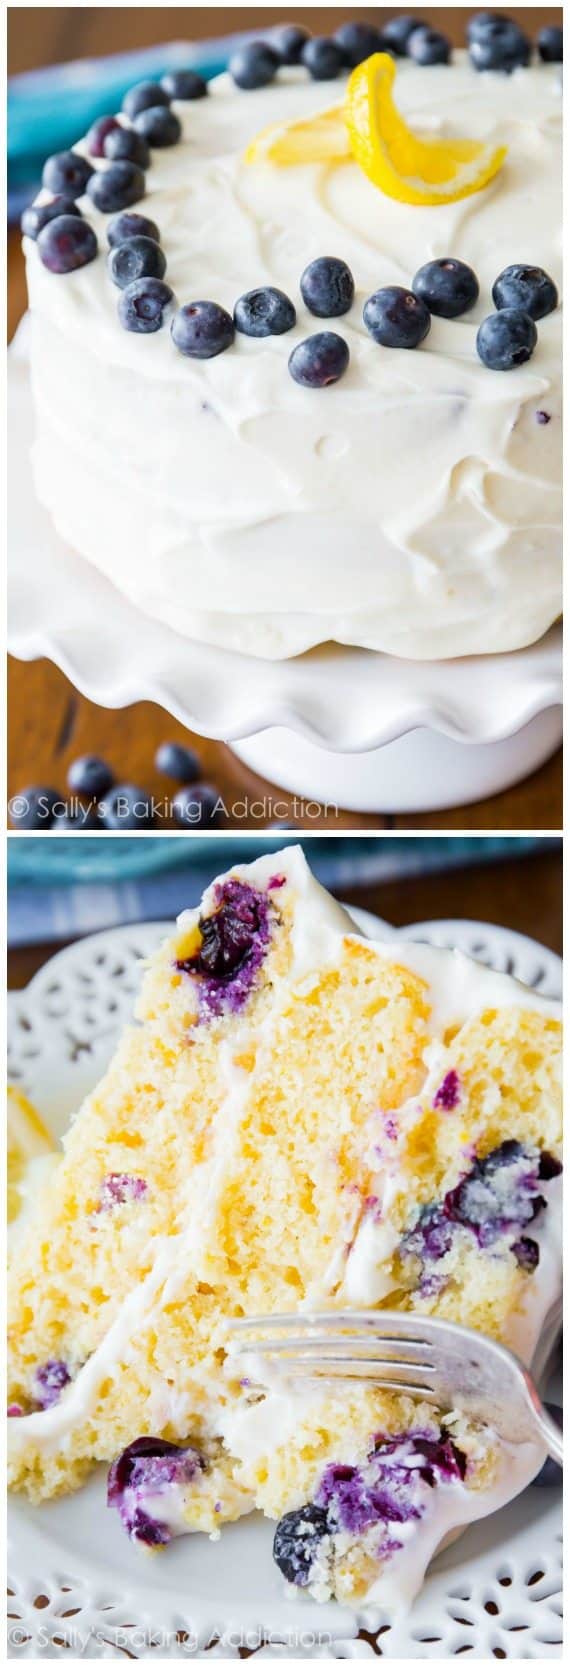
(385, 1348)
(365, 1362)
(388, 1323)
(417, 1391)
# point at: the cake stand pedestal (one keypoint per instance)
(339, 725)
(423, 770)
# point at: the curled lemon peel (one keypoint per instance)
(369, 128)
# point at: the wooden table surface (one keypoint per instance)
(524, 894)
(48, 722)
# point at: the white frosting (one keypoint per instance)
(410, 507)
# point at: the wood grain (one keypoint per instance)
(524, 894)
(42, 705)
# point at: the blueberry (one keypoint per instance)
(146, 1469)
(160, 127)
(358, 41)
(123, 226)
(78, 819)
(184, 84)
(288, 42)
(90, 775)
(551, 1474)
(198, 806)
(33, 807)
(125, 145)
(142, 305)
(264, 312)
(481, 23)
(298, 1539)
(127, 807)
(549, 1166)
(527, 288)
(119, 185)
(396, 318)
(66, 243)
(447, 286)
(68, 173)
(98, 133)
(146, 95)
(506, 339)
(38, 214)
(202, 329)
(51, 1379)
(526, 1253)
(253, 65)
(501, 46)
(396, 33)
(180, 762)
(427, 46)
(327, 287)
(320, 360)
(549, 44)
(323, 58)
(139, 257)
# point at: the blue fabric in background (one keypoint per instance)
(49, 109)
(51, 913)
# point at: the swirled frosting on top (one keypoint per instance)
(413, 507)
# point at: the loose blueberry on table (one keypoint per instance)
(198, 806)
(550, 44)
(395, 317)
(143, 304)
(397, 32)
(127, 807)
(319, 361)
(180, 762)
(90, 775)
(327, 287)
(39, 802)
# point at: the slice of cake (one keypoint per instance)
(301, 1119)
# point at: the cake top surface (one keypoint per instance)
(227, 226)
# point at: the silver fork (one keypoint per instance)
(444, 1364)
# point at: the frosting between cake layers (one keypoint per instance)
(408, 508)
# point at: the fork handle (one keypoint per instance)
(551, 1434)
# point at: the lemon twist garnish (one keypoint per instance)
(369, 128)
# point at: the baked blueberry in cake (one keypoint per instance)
(406, 195)
(300, 1119)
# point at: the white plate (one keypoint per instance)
(400, 725)
(73, 1572)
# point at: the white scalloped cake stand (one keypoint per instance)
(340, 725)
(75, 1579)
